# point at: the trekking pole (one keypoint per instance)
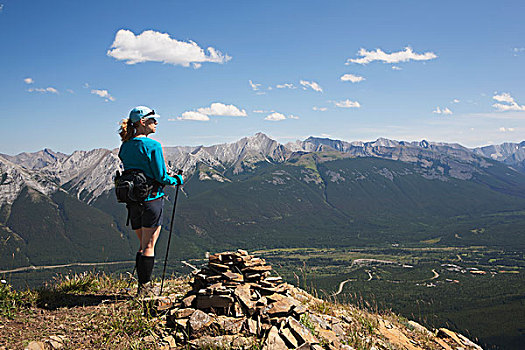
(171, 229)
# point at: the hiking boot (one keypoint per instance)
(147, 289)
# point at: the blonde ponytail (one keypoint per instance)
(127, 130)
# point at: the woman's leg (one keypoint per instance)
(139, 236)
(138, 256)
(151, 220)
(149, 238)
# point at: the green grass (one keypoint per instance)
(12, 301)
(308, 323)
(133, 320)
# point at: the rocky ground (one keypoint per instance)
(232, 302)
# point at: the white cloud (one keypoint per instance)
(396, 68)
(394, 57)
(44, 90)
(258, 111)
(215, 109)
(192, 115)
(504, 108)
(502, 129)
(291, 116)
(221, 109)
(85, 86)
(455, 100)
(254, 86)
(352, 78)
(510, 103)
(275, 116)
(311, 84)
(29, 81)
(319, 109)
(286, 86)
(347, 104)
(151, 46)
(1, 7)
(104, 94)
(504, 97)
(445, 111)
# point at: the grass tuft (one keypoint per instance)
(87, 282)
(12, 301)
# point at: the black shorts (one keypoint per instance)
(149, 214)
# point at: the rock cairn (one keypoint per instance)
(235, 302)
(235, 294)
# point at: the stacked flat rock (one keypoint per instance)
(236, 294)
(235, 284)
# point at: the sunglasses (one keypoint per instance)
(150, 113)
(152, 118)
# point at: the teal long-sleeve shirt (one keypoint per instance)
(146, 154)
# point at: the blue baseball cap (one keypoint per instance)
(140, 112)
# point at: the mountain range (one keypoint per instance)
(256, 192)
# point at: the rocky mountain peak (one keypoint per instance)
(35, 160)
(92, 171)
(384, 142)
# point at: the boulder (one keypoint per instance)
(188, 301)
(274, 341)
(289, 338)
(251, 326)
(222, 342)
(230, 325)
(330, 337)
(213, 301)
(419, 328)
(183, 313)
(171, 341)
(242, 292)
(231, 276)
(280, 308)
(36, 345)
(301, 333)
(198, 321)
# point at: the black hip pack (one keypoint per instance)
(133, 187)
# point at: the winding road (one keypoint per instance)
(369, 276)
(341, 285)
(47, 267)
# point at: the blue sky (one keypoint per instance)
(70, 70)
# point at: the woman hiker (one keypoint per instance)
(140, 152)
